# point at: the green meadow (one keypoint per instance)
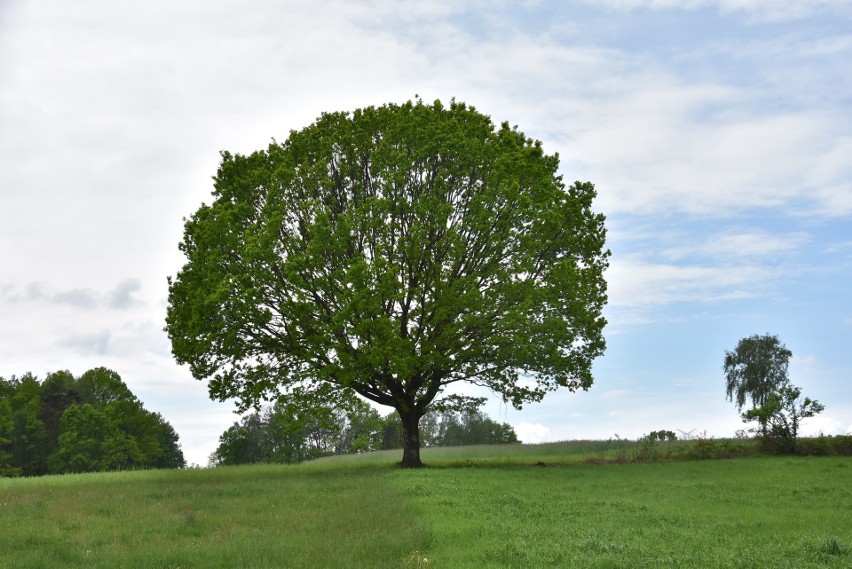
(559, 505)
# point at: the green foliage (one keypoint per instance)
(704, 448)
(170, 454)
(58, 391)
(290, 432)
(825, 445)
(649, 447)
(92, 423)
(662, 435)
(450, 425)
(391, 432)
(756, 369)
(293, 431)
(101, 386)
(93, 440)
(30, 444)
(7, 433)
(780, 416)
(392, 251)
(83, 432)
(116, 436)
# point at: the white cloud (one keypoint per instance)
(633, 282)
(87, 344)
(824, 425)
(839, 247)
(803, 362)
(119, 298)
(651, 154)
(735, 245)
(80, 298)
(834, 200)
(533, 433)
(770, 10)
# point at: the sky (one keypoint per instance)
(717, 133)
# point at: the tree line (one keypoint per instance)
(288, 432)
(89, 423)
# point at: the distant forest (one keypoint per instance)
(288, 432)
(89, 423)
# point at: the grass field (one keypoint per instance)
(474, 507)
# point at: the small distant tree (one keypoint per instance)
(293, 431)
(361, 428)
(473, 427)
(755, 370)
(781, 415)
(662, 436)
(241, 443)
(457, 421)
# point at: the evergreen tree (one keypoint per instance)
(7, 431)
(29, 440)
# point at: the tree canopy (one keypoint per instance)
(756, 369)
(91, 423)
(392, 252)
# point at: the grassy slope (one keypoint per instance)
(758, 512)
(231, 517)
(361, 512)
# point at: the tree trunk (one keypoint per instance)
(410, 440)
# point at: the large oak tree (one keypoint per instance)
(393, 252)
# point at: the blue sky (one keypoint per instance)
(718, 134)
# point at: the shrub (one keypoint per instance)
(704, 448)
(779, 418)
(825, 445)
(820, 446)
(842, 445)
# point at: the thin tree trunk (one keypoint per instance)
(410, 440)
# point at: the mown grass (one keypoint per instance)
(476, 507)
